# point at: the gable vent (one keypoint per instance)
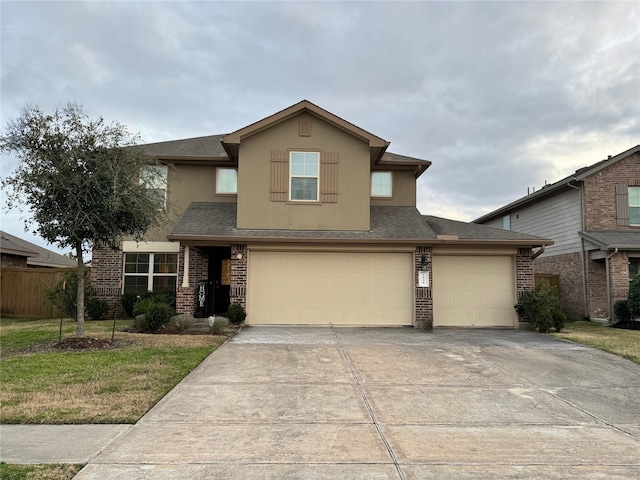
(305, 128)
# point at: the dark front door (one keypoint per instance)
(219, 280)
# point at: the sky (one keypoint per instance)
(499, 96)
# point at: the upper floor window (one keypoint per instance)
(506, 222)
(304, 175)
(154, 177)
(381, 184)
(226, 180)
(150, 272)
(634, 205)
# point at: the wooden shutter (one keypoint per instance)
(329, 177)
(622, 205)
(279, 175)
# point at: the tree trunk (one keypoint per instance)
(80, 292)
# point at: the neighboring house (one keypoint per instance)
(16, 252)
(305, 218)
(593, 216)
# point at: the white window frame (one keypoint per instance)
(389, 182)
(222, 188)
(150, 275)
(156, 180)
(635, 201)
(506, 222)
(316, 176)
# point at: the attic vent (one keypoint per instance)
(305, 128)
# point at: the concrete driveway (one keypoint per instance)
(323, 403)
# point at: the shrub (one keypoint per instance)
(634, 297)
(236, 313)
(63, 293)
(157, 315)
(128, 301)
(542, 306)
(97, 308)
(621, 309)
(141, 306)
(181, 323)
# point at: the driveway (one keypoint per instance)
(334, 403)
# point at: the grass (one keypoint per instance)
(624, 343)
(43, 385)
(38, 472)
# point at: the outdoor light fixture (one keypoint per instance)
(424, 265)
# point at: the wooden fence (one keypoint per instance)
(22, 292)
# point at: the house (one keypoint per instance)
(593, 216)
(16, 252)
(305, 218)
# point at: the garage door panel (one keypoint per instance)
(330, 287)
(474, 291)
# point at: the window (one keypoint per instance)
(634, 205)
(226, 180)
(380, 184)
(154, 177)
(634, 267)
(155, 272)
(506, 222)
(304, 168)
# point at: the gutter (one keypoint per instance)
(538, 253)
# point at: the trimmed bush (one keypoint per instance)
(542, 306)
(236, 313)
(97, 308)
(128, 301)
(621, 309)
(157, 315)
(634, 297)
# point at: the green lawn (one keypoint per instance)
(624, 343)
(38, 472)
(41, 384)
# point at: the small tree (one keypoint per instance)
(80, 179)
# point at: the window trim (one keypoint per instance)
(218, 170)
(629, 206)
(506, 222)
(317, 177)
(162, 179)
(390, 184)
(151, 274)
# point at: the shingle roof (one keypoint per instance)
(579, 174)
(37, 256)
(208, 146)
(209, 220)
(609, 239)
(473, 231)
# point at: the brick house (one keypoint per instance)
(16, 252)
(593, 216)
(305, 218)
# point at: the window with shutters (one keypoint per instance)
(634, 205)
(304, 168)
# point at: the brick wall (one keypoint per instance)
(569, 269)
(524, 274)
(106, 277)
(619, 276)
(238, 290)
(600, 193)
(12, 261)
(198, 272)
(597, 289)
(424, 297)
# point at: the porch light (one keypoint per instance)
(424, 265)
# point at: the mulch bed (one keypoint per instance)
(627, 325)
(85, 343)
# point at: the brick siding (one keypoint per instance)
(106, 277)
(424, 297)
(568, 267)
(238, 290)
(198, 272)
(524, 274)
(12, 261)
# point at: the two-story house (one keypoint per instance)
(593, 216)
(305, 218)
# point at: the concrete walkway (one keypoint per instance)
(322, 403)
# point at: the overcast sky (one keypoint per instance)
(500, 96)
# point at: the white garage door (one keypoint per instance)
(319, 288)
(473, 291)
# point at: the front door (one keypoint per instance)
(219, 280)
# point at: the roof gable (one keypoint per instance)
(231, 142)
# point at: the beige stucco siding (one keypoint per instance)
(186, 184)
(257, 211)
(403, 191)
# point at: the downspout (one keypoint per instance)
(538, 253)
(606, 263)
(582, 255)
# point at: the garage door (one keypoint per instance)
(319, 288)
(473, 291)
